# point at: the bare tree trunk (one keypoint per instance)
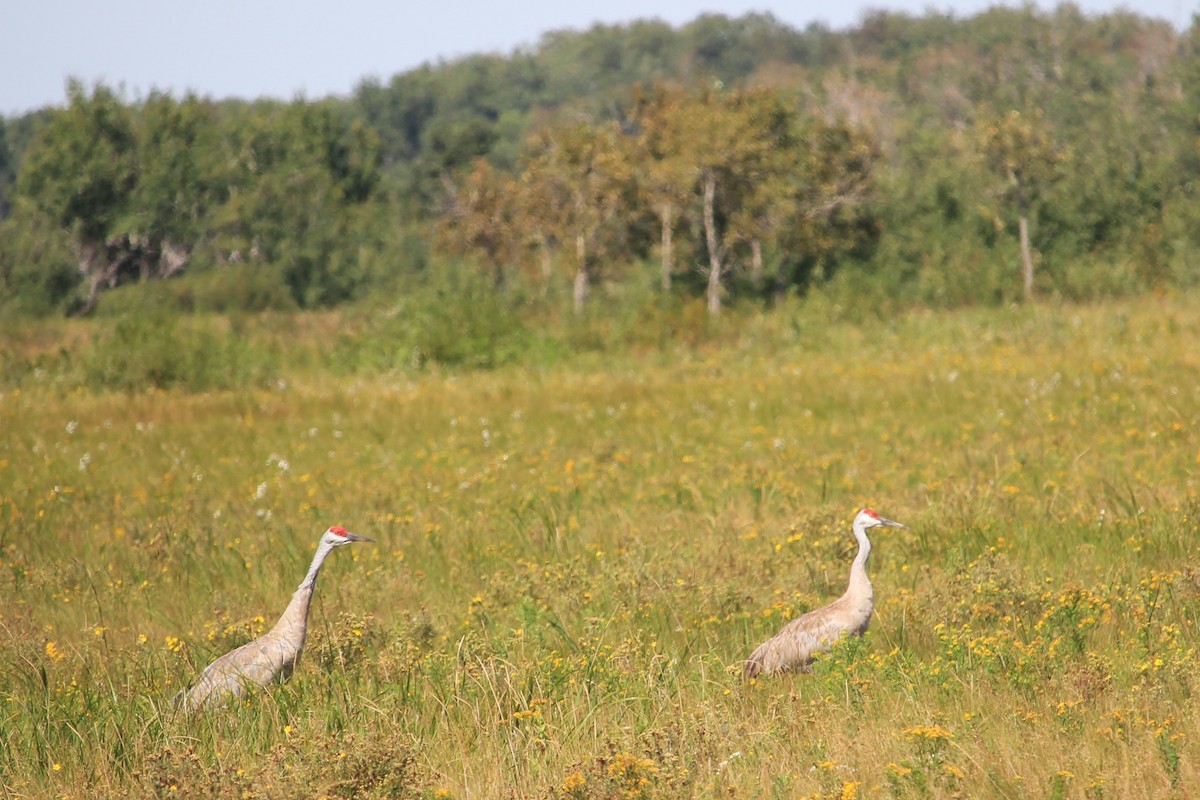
(173, 259)
(93, 296)
(710, 236)
(1026, 256)
(543, 242)
(546, 254)
(85, 254)
(668, 217)
(581, 276)
(756, 263)
(88, 254)
(103, 276)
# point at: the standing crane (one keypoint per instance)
(272, 656)
(795, 645)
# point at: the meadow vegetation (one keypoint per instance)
(573, 554)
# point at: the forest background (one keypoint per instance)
(637, 174)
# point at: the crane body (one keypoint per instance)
(274, 655)
(794, 647)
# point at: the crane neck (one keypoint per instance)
(294, 622)
(314, 569)
(859, 582)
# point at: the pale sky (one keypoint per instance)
(286, 48)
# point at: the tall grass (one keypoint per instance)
(572, 559)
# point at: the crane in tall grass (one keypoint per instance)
(794, 647)
(274, 655)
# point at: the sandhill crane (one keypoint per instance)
(273, 655)
(793, 647)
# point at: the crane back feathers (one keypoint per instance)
(271, 657)
(255, 664)
(795, 646)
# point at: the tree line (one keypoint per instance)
(933, 159)
(735, 171)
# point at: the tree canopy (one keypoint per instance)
(934, 158)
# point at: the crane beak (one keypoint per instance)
(354, 537)
(891, 523)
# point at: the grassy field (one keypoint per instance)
(572, 560)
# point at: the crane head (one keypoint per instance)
(337, 536)
(869, 518)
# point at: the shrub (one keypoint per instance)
(235, 288)
(158, 352)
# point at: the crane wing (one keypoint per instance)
(256, 663)
(795, 645)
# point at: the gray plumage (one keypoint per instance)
(274, 655)
(794, 647)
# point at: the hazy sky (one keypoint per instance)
(281, 48)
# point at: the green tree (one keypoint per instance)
(666, 168)
(729, 49)
(733, 136)
(827, 212)
(536, 191)
(479, 219)
(80, 173)
(302, 178)
(1019, 150)
(8, 170)
(586, 179)
(772, 183)
(178, 182)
